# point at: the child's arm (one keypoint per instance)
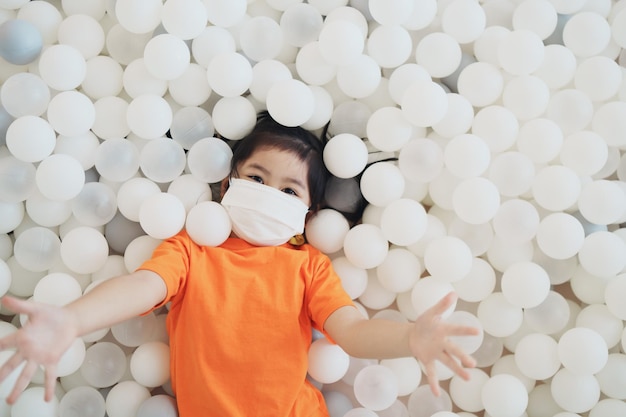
(426, 339)
(50, 330)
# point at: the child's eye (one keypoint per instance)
(256, 178)
(290, 191)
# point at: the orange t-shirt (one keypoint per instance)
(240, 325)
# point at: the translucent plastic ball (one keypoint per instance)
(526, 96)
(538, 16)
(125, 398)
(261, 38)
(437, 256)
(586, 34)
(162, 215)
(84, 33)
(111, 121)
(403, 76)
(208, 224)
(486, 45)
(340, 42)
(323, 110)
(131, 195)
(421, 160)
(365, 246)
(265, 74)
(585, 152)
(466, 156)
(166, 56)
(191, 88)
(499, 317)
(354, 280)
(464, 20)
(190, 124)
(60, 177)
(582, 351)
(139, 16)
(103, 78)
(476, 200)
(439, 53)
(376, 387)
(225, 13)
(12, 215)
(428, 291)
(229, 74)
(312, 67)
(301, 23)
(525, 284)
(599, 77)
(57, 288)
(31, 403)
(375, 296)
(504, 395)
(345, 155)
(458, 119)
(84, 250)
(290, 102)
(185, 19)
(209, 160)
(467, 394)
(558, 67)
(549, 317)
(18, 179)
(520, 52)
(556, 187)
(388, 130)
(37, 248)
(149, 116)
(149, 364)
(404, 221)
(30, 138)
(83, 401)
(383, 36)
(159, 405)
(424, 103)
(598, 317)
(190, 190)
(360, 412)
(328, 363)
(95, 205)
(516, 220)
(327, 230)
(469, 344)
(211, 42)
(610, 377)
(136, 331)
(162, 160)
(574, 393)
(423, 403)
(481, 83)
(234, 117)
(71, 113)
(602, 202)
(382, 183)
(602, 254)
(360, 78)
(117, 159)
(571, 109)
(399, 271)
(614, 291)
(608, 121)
(62, 67)
(479, 282)
(20, 41)
(24, 94)
(137, 80)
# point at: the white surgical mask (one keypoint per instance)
(263, 215)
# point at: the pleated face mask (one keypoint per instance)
(263, 215)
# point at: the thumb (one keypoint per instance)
(18, 306)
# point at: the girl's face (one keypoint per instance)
(279, 169)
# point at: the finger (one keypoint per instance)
(454, 365)
(10, 365)
(50, 382)
(22, 381)
(8, 341)
(18, 306)
(456, 351)
(442, 305)
(433, 380)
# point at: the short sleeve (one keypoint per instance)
(170, 260)
(325, 293)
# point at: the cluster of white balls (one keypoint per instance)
(485, 136)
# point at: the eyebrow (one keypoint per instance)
(291, 180)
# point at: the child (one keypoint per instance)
(241, 314)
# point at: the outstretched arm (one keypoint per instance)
(50, 330)
(427, 339)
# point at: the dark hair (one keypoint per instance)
(268, 133)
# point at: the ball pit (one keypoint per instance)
(486, 140)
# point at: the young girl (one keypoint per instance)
(241, 314)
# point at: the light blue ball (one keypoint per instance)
(20, 41)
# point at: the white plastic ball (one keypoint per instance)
(504, 395)
(208, 224)
(354, 279)
(84, 33)
(476, 200)
(24, 94)
(464, 20)
(497, 126)
(360, 78)
(234, 117)
(327, 230)
(103, 78)
(117, 159)
(599, 77)
(162, 160)
(30, 138)
(84, 250)
(388, 130)
(301, 24)
(614, 291)
(403, 221)
(439, 53)
(525, 284)
(71, 113)
(602, 254)
(571, 109)
(149, 364)
(18, 179)
(428, 291)
(424, 103)
(602, 202)
(478, 283)
(264, 74)
(60, 177)
(399, 271)
(328, 363)
(574, 393)
(20, 41)
(225, 13)
(209, 160)
(549, 317)
(421, 160)
(290, 102)
(131, 195)
(382, 183)
(340, 42)
(481, 83)
(540, 139)
(586, 34)
(585, 152)
(190, 124)
(520, 52)
(556, 187)
(539, 16)
(610, 377)
(466, 156)
(516, 220)
(469, 344)
(162, 215)
(62, 67)
(261, 38)
(376, 387)
(149, 116)
(499, 317)
(609, 123)
(229, 74)
(438, 253)
(365, 246)
(139, 16)
(125, 398)
(467, 394)
(191, 88)
(211, 42)
(185, 19)
(37, 248)
(31, 403)
(312, 67)
(527, 96)
(458, 118)
(137, 80)
(582, 351)
(84, 400)
(345, 155)
(383, 36)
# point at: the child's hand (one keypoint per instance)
(429, 341)
(41, 341)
